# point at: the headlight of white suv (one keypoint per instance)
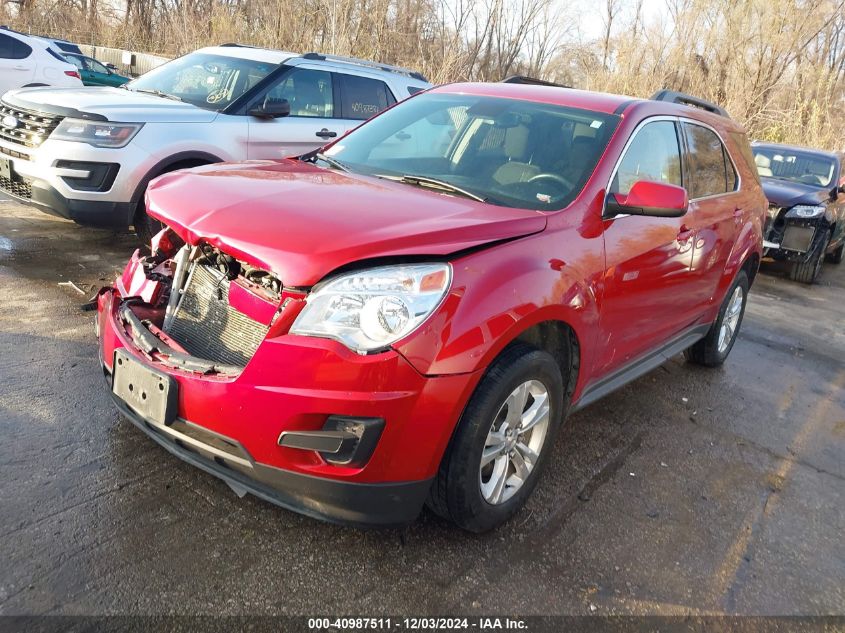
(805, 211)
(98, 134)
(369, 310)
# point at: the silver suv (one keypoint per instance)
(87, 154)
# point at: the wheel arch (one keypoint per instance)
(179, 160)
(745, 255)
(751, 266)
(559, 339)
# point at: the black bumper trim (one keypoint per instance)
(96, 213)
(346, 503)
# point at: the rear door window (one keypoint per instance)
(654, 154)
(362, 97)
(309, 93)
(11, 48)
(710, 169)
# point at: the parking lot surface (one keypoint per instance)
(690, 491)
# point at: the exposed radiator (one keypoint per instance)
(205, 324)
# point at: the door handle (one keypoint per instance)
(325, 133)
(685, 233)
(19, 67)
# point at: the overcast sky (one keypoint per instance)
(591, 20)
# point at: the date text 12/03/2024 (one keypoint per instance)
(417, 624)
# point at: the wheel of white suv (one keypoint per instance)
(713, 349)
(502, 441)
(145, 226)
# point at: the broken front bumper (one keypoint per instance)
(789, 238)
(232, 426)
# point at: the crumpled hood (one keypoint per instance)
(115, 104)
(302, 222)
(787, 194)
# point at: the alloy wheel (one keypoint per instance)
(731, 319)
(514, 442)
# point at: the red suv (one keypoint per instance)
(407, 316)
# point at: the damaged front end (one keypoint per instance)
(197, 309)
(789, 232)
(198, 351)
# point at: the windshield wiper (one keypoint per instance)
(331, 161)
(433, 183)
(158, 93)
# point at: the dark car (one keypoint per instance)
(95, 73)
(409, 315)
(806, 217)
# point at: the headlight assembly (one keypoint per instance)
(98, 134)
(805, 211)
(370, 309)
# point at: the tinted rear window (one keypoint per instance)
(10, 48)
(741, 141)
(362, 97)
(708, 164)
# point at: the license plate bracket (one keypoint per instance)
(149, 393)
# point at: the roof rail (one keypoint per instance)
(365, 62)
(533, 81)
(684, 99)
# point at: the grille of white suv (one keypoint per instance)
(32, 129)
(208, 327)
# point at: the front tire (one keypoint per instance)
(807, 271)
(713, 349)
(145, 226)
(502, 441)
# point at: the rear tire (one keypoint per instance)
(807, 271)
(714, 348)
(523, 389)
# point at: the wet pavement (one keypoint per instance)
(690, 491)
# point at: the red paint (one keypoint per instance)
(624, 285)
(265, 213)
(251, 303)
(655, 195)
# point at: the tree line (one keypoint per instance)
(778, 66)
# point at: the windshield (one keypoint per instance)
(504, 151)
(207, 81)
(796, 166)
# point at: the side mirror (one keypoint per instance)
(111, 68)
(648, 198)
(271, 109)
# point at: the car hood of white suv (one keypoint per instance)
(115, 104)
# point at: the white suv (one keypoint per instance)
(32, 61)
(88, 154)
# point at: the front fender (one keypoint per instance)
(499, 293)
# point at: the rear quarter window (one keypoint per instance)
(710, 168)
(362, 97)
(740, 141)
